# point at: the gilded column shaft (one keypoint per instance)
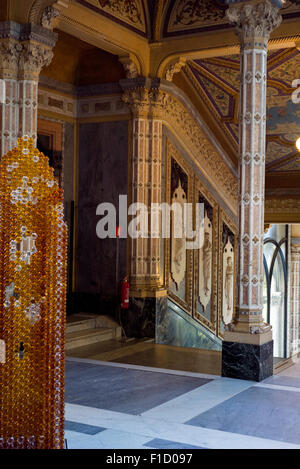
(145, 275)
(254, 22)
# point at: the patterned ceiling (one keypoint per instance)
(173, 18)
(217, 82)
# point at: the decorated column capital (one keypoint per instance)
(33, 58)
(144, 97)
(24, 50)
(10, 51)
(254, 21)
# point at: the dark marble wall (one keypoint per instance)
(103, 175)
(68, 161)
(247, 361)
(139, 320)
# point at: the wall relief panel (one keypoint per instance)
(178, 260)
(227, 272)
(205, 259)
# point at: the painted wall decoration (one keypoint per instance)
(205, 256)
(190, 16)
(203, 282)
(179, 190)
(33, 239)
(206, 259)
(178, 245)
(177, 259)
(227, 283)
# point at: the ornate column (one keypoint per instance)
(146, 280)
(24, 51)
(294, 297)
(9, 56)
(248, 345)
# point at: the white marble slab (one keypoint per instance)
(189, 405)
(157, 428)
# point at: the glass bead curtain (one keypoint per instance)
(33, 240)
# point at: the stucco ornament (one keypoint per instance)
(49, 14)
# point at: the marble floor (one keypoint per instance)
(147, 353)
(127, 406)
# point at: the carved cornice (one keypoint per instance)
(153, 102)
(254, 21)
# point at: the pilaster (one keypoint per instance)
(144, 99)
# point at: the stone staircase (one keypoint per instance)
(86, 329)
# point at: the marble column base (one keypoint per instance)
(247, 361)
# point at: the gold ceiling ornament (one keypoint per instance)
(33, 244)
(129, 9)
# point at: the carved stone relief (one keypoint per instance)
(205, 261)
(228, 269)
(178, 244)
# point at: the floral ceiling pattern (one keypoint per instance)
(217, 82)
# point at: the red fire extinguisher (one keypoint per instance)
(125, 293)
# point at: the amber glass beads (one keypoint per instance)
(33, 245)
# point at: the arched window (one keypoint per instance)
(275, 286)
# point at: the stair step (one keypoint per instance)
(89, 336)
(84, 321)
